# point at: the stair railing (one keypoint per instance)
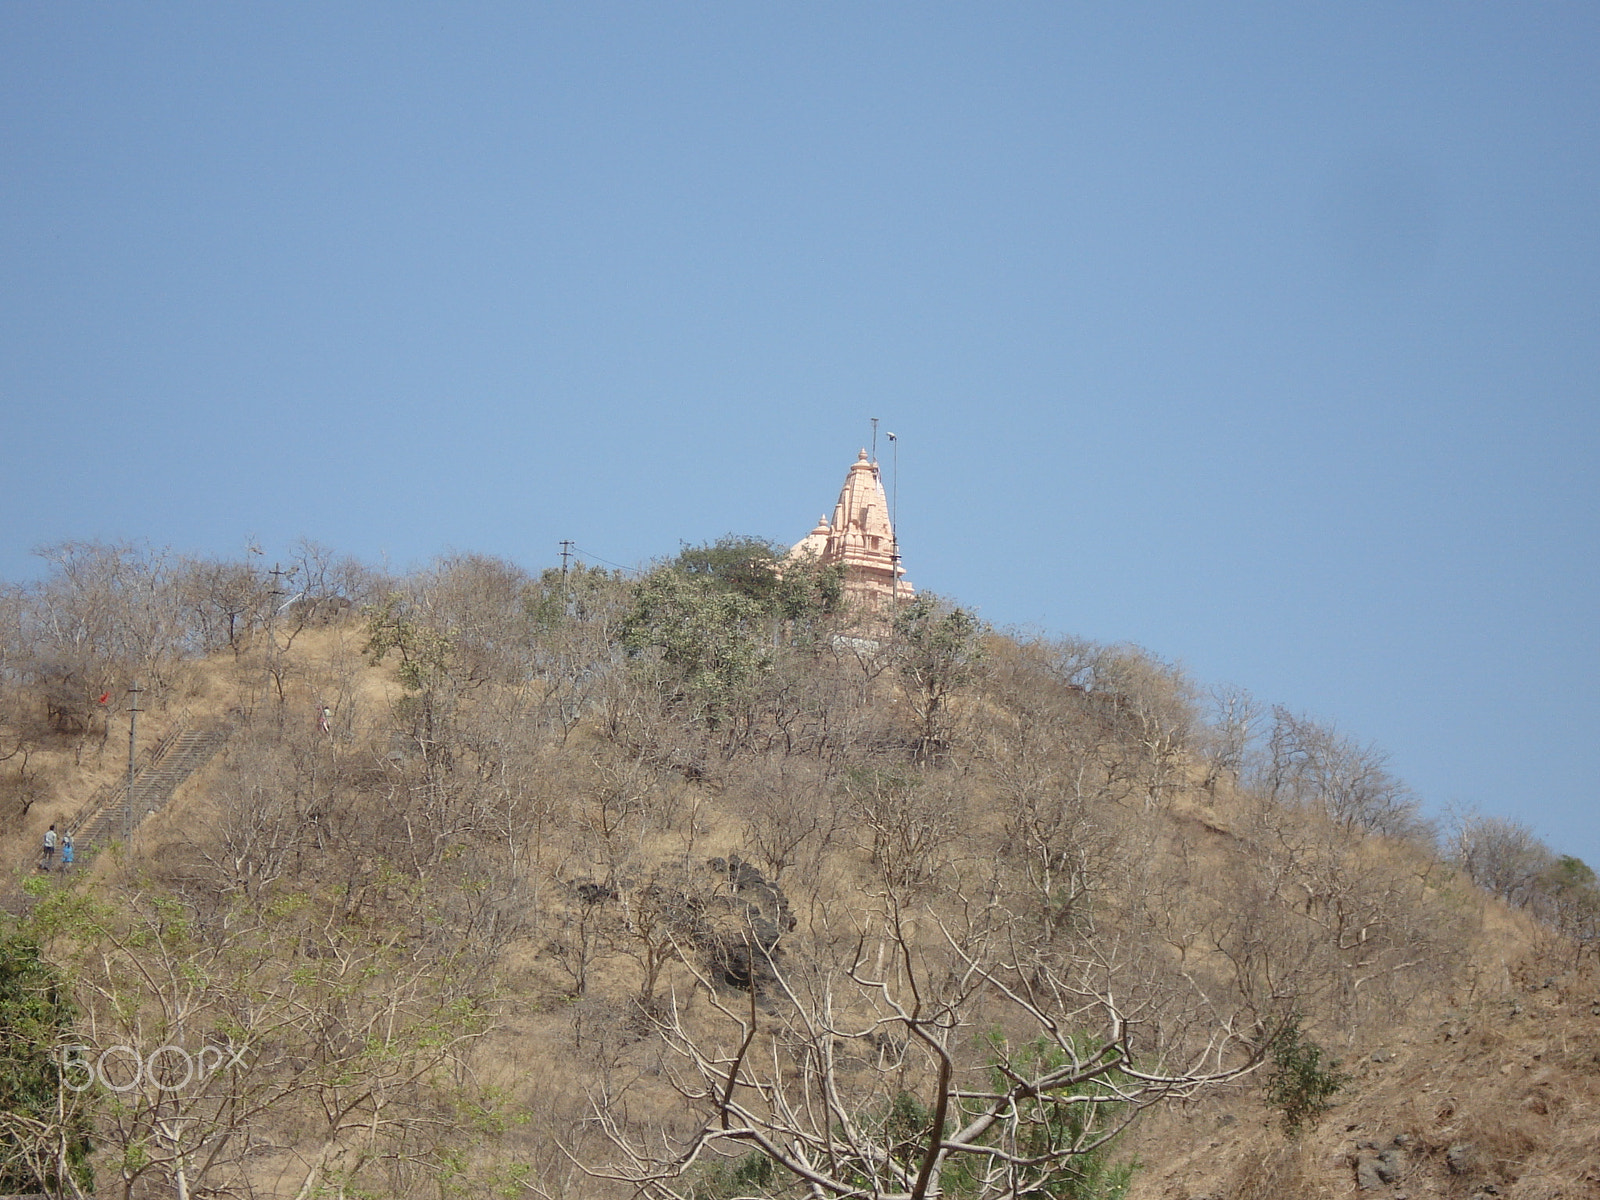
(103, 795)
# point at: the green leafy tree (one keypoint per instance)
(1070, 1134)
(578, 595)
(351, 1050)
(746, 566)
(938, 647)
(862, 1083)
(709, 641)
(794, 591)
(809, 595)
(426, 655)
(741, 1177)
(1569, 897)
(1302, 1080)
(424, 652)
(44, 1118)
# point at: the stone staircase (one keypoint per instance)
(104, 818)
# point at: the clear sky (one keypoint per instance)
(1264, 336)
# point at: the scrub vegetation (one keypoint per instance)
(701, 883)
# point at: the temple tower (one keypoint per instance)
(861, 537)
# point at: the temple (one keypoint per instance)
(861, 536)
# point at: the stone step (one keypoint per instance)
(152, 788)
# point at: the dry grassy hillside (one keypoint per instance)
(700, 885)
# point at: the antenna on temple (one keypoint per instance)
(874, 439)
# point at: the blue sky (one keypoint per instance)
(1261, 335)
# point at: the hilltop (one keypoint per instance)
(708, 882)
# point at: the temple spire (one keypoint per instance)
(861, 536)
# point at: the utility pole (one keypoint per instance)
(566, 588)
(273, 593)
(133, 732)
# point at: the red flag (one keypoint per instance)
(104, 696)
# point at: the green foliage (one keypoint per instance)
(939, 647)
(904, 1128)
(789, 590)
(745, 566)
(424, 652)
(715, 616)
(1303, 1079)
(934, 630)
(1568, 873)
(900, 1129)
(329, 1013)
(41, 1121)
(709, 640)
(1062, 1134)
(1064, 1129)
(808, 593)
(474, 1121)
(1568, 896)
(739, 1178)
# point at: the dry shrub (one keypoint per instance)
(1284, 1172)
(789, 814)
(20, 790)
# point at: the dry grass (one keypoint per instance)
(1510, 1081)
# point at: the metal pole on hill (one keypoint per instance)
(273, 593)
(133, 731)
(894, 522)
(566, 587)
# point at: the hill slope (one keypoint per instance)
(503, 920)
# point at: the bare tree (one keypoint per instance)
(226, 602)
(866, 1076)
(1235, 723)
(1151, 704)
(658, 917)
(105, 616)
(1500, 855)
(789, 814)
(1061, 850)
(1350, 783)
(909, 822)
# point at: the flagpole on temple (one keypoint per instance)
(894, 522)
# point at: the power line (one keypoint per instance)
(581, 553)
